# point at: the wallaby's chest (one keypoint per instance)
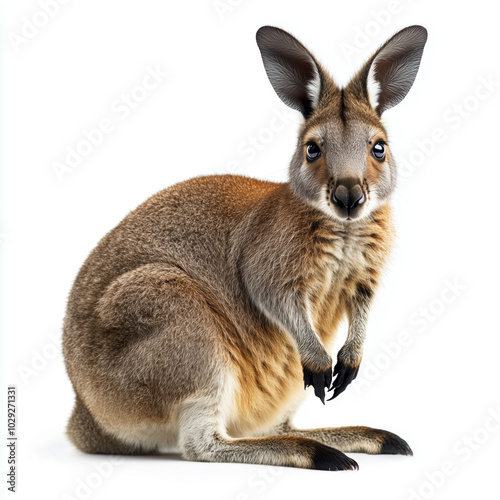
(343, 261)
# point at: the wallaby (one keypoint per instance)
(199, 319)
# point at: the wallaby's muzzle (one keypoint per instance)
(348, 196)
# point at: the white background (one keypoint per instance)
(436, 390)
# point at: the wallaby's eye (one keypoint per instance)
(313, 152)
(378, 151)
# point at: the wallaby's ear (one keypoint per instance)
(391, 71)
(292, 70)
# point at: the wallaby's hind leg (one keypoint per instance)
(202, 438)
(353, 439)
(88, 436)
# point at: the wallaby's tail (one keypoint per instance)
(88, 436)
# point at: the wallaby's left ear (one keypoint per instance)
(389, 74)
(292, 70)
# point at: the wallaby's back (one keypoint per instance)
(191, 225)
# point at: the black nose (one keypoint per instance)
(348, 196)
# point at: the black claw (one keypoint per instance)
(308, 377)
(338, 391)
(345, 375)
(319, 380)
(319, 386)
(339, 380)
(328, 379)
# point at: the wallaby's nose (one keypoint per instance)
(348, 195)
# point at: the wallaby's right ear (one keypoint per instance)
(292, 70)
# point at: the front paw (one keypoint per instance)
(346, 372)
(319, 380)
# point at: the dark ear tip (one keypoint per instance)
(261, 31)
(418, 31)
(422, 31)
(265, 32)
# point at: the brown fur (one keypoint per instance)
(192, 321)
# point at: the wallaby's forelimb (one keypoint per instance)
(349, 356)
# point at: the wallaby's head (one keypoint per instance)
(343, 164)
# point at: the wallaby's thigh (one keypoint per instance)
(161, 350)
